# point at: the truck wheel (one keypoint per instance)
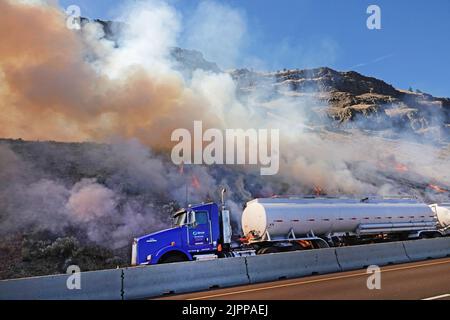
(172, 258)
(268, 250)
(259, 251)
(318, 244)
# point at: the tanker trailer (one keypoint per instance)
(280, 223)
(270, 225)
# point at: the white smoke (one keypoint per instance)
(218, 31)
(89, 201)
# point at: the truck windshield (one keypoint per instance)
(180, 219)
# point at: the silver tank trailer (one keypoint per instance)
(284, 218)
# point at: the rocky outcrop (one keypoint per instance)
(185, 60)
(191, 60)
(354, 100)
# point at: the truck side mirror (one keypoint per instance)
(191, 219)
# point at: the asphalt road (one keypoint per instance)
(419, 280)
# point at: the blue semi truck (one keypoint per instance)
(271, 225)
(199, 232)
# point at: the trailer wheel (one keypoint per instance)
(429, 235)
(268, 250)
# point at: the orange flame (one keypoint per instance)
(437, 188)
(401, 167)
(181, 169)
(318, 190)
(195, 183)
(391, 162)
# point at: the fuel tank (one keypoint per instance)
(280, 218)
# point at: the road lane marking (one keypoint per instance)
(438, 297)
(317, 280)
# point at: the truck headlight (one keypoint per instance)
(149, 258)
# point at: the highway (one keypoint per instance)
(424, 280)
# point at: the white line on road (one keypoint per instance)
(438, 297)
(303, 282)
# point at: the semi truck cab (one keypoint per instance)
(196, 234)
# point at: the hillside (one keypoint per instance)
(352, 100)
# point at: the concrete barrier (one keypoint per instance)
(157, 280)
(427, 248)
(95, 285)
(150, 281)
(291, 264)
(358, 257)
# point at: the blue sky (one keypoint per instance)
(411, 49)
